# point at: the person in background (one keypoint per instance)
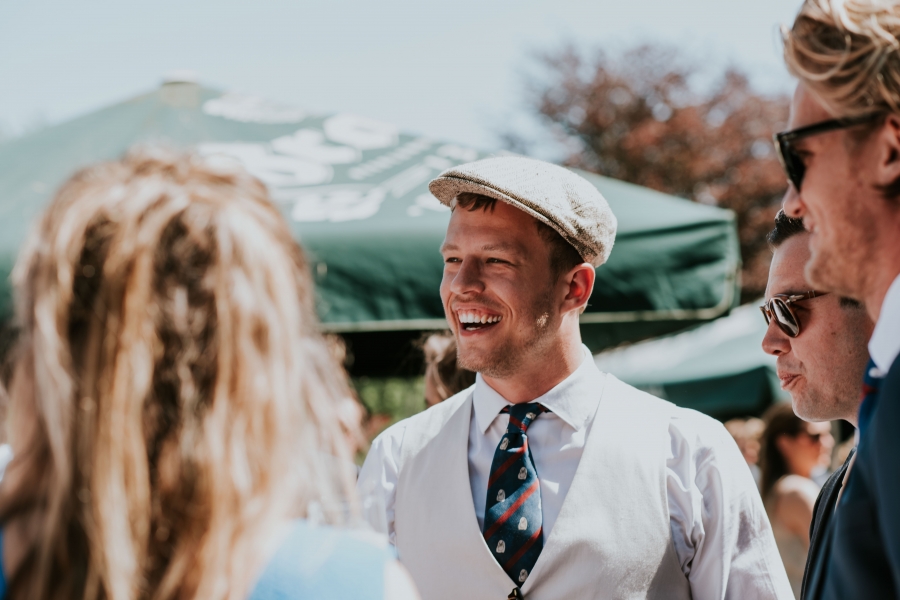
(747, 433)
(443, 375)
(171, 398)
(841, 154)
(791, 450)
(820, 344)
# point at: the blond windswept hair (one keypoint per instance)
(847, 52)
(172, 401)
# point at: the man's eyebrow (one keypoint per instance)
(500, 247)
(791, 293)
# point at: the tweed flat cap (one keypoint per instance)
(549, 193)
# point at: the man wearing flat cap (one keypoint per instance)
(549, 479)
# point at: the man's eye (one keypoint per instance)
(495, 260)
(451, 259)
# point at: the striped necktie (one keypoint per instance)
(512, 518)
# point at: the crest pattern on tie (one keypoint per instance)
(512, 518)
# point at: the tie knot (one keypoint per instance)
(522, 415)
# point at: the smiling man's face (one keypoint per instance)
(498, 290)
(821, 368)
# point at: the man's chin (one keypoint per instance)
(809, 410)
(490, 362)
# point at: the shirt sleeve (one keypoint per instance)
(377, 483)
(720, 530)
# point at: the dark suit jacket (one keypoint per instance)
(822, 513)
(860, 557)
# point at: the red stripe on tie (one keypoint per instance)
(523, 549)
(512, 509)
(517, 423)
(509, 462)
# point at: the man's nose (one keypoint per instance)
(775, 342)
(467, 279)
(792, 204)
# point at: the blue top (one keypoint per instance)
(325, 563)
(315, 563)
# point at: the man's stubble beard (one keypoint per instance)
(840, 266)
(504, 361)
(836, 395)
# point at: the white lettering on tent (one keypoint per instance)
(252, 109)
(390, 159)
(360, 132)
(425, 202)
(310, 144)
(438, 163)
(276, 171)
(457, 153)
(337, 204)
(404, 181)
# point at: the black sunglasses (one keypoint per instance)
(791, 161)
(779, 308)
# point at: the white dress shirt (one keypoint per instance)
(885, 343)
(712, 498)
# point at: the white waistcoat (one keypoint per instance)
(612, 538)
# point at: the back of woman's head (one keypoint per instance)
(171, 395)
(443, 375)
(779, 420)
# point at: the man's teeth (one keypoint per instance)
(468, 316)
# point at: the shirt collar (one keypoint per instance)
(885, 343)
(574, 399)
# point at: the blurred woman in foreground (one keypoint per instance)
(172, 401)
(791, 450)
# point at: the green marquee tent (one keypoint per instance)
(718, 368)
(355, 193)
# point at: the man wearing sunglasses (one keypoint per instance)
(842, 158)
(820, 341)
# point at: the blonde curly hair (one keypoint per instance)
(847, 53)
(172, 401)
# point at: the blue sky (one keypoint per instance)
(450, 70)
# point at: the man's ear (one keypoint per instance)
(887, 176)
(580, 281)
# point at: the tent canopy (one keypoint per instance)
(718, 368)
(355, 194)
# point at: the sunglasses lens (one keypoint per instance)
(785, 317)
(797, 169)
(793, 165)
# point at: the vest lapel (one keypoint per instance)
(437, 480)
(571, 506)
(615, 511)
(465, 518)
